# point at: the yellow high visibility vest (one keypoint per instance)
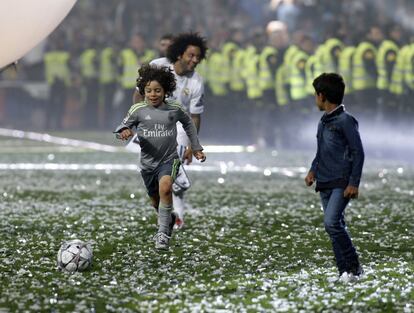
(282, 77)
(289, 54)
(310, 74)
(87, 63)
(265, 75)
(319, 59)
(388, 49)
(107, 70)
(409, 68)
(252, 77)
(345, 67)
(297, 79)
(236, 81)
(227, 52)
(215, 79)
(202, 69)
(250, 51)
(400, 70)
(280, 90)
(328, 57)
(361, 79)
(148, 56)
(57, 66)
(130, 65)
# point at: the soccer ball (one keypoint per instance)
(74, 255)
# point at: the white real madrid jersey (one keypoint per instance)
(190, 88)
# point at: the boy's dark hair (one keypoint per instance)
(331, 85)
(163, 75)
(182, 41)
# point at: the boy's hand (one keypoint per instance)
(188, 155)
(126, 134)
(199, 155)
(351, 192)
(310, 178)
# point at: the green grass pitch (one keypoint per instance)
(251, 243)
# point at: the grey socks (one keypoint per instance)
(164, 218)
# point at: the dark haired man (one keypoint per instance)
(163, 44)
(337, 169)
(185, 52)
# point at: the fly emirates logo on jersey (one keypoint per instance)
(160, 130)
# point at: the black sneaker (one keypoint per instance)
(357, 271)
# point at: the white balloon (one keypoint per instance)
(24, 23)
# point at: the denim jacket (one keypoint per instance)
(340, 155)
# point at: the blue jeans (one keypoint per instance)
(334, 204)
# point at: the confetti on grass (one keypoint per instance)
(254, 243)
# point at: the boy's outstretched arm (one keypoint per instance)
(191, 132)
(125, 134)
(199, 155)
(124, 130)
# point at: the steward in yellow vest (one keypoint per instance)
(129, 64)
(409, 66)
(345, 67)
(108, 70)
(58, 77)
(301, 103)
(332, 49)
(282, 77)
(217, 73)
(267, 68)
(251, 74)
(409, 80)
(90, 86)
(129, 68)
(297, 77)
(310, 74)
(386, 60)
(237, 83)
(364, 71)
(314, 68)
(228, 51)
(400, 72)
(148, 56)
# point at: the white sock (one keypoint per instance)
(179, 204)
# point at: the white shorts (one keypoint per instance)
(182, 138)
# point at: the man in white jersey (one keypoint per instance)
(186, 51)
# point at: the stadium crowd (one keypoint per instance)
(263, 56)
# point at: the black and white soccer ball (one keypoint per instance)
(74, 255)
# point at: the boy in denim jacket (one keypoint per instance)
(337, 169)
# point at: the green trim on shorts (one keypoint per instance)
(175, 168)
